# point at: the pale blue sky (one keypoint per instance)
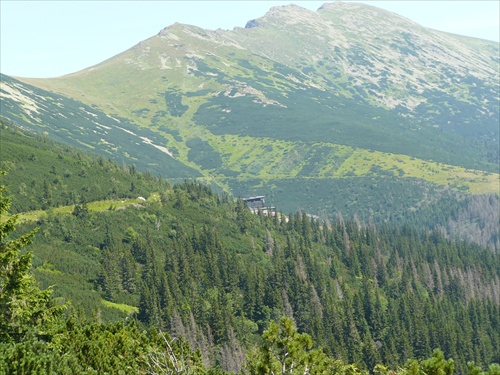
(52, 38)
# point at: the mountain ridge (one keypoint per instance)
(272, 102)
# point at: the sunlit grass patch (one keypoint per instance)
(121, 306)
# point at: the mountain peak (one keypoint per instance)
(339, 4)
(357, 15)
(283, 15)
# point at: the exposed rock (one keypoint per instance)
(251, 24)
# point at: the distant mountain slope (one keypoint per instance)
(77, 124)
(43, 174)
(346, 98)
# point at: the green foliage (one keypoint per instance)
(202, 154)
(24, 308)
(285, 351)
(34, 356)
(82, 347)
(436, 365)
(173, 101)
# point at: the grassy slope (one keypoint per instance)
(269, 158)
(199, 115)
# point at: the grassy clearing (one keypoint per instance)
(97, 206)
(364, 162)
(269, 159)
(121, 306)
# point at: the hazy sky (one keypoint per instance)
(52, 38)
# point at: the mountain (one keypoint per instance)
(349, 109)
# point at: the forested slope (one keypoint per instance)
(198, 264)
(44, 173)
(203, 266)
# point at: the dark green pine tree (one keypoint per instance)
(149, 303)
(24, 308)
(353, 338)
(241, 216)
(111, 273)
(378, 320)
(149, 306)
(371, 357)
(128, 272)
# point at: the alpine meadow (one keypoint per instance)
(315, 193)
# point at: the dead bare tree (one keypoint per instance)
(171, 362)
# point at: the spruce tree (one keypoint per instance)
(24, 308)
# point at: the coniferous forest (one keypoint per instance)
(187, 280)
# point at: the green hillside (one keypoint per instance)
(44, 174)
(341, 99)
(79, 125)
(39, 334)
